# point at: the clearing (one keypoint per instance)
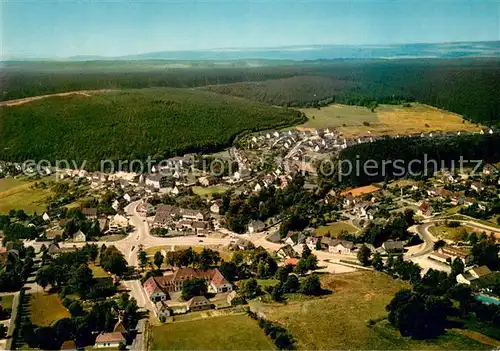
(209, 191)
(40, 97)
(98, 271)
(19, 194)
(400, 120)
(45, 309)
(338, 115)
(238, 332)
(342, 320)
(335, 228)
(6, 301)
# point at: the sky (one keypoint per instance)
(59, 29)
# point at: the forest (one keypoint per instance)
(446, 151)
(131, 124)
(469, 87)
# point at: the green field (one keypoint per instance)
(156, 122)
(340, 321)
(6, 301)
(209, 191)
(337, 115)
(18, 194)
(45, 309)
(238, 332)
(335, 229)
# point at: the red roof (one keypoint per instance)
(110, 337)
(292, 261)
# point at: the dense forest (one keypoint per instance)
(470, 87)
(131, 124)
(446, 151)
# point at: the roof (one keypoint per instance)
(89, 211)
(292, 261)
(288, 251)
(480, 271)
(393, 245)
(68, 345)
(218, 279)
(119, 327)
(198, 300)
(110, 337)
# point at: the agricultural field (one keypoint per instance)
(338, 115)
(45, 309)
(335, 228)
(368, 189)
(156, 122)
(353, 317)
(18, 194)
(400, 120)
(238, 332)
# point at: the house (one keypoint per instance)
(340, 247)
(199, 303)
(103, 224)
(200, 227)
(257, 188)
(287, 251)
(193, 215)
(256, 226)
(391, 246)
(53, 249)
(127, 197)
(79, 237)
(477, 186)
(207, 181)
(479, 277)
(53, 233)
(425, 209)
(162, 310)
(90, 213)
(349, 200)
(215, 207)
(165, 215)
(114, 340)
(115, 205)
(118, 223)
(46, 217)
(157, 181)
(234, 299)
(365, 210)
(456, 252)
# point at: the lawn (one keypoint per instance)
(447, 233)
(335, 229)
(209, 191)
(18, 194)
(341, 320)
(394, 120)
(98, 271)
(237, 332)
(45, 309)
(337, 115)
(6, 301)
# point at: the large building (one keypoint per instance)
(158, 288)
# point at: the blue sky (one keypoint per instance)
(44, 28)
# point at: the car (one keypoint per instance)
(200, 241)
(132, 249)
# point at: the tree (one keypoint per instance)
(250, 288)
(158, 259)
(377, 262)
(306, 252)
(115, 263)
(76, 309)
(312, 262)
(208, 258)
(311, 285)
(472, 238)
(277, 292)
(439, 244)
(193, 287)
(318, 245)
(282, 273)
(143, 259)
(364, 254)
(81, 280)
(301, 267)
(229, 270)
(457, 267)
(292, 284)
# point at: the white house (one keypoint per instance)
(256, 226)
(473, 276)
(46, 217)
(79, 237)
(110, 340)
(127, 197)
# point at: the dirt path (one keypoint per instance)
(478, 337)
(34, 98)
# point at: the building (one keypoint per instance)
(340, 247)
(478, 277)
(79, 237)
(425, 209)
(162, 310)
(256, 226)
(165, 215)
(193, 215)
(114, 340)
(157, 181)
(199, 303)
(393, 246)
(215, 207)
(90, 213)
(287, 251)
(456, 252)
(158, 288)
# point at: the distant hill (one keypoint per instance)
(131, 124)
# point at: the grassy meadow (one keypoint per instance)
(237, 332)
(344, 319)
(335, 228)
(337, 115)
(45, 309)
(18, 194)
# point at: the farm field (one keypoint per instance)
(335, 228)
(45, 309)
(18, 194)
(157, 122)
(238, 332)
(399, 120)
(337, 115)
(330, 322)
(361, 190)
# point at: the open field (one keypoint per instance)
(237, 332)
(399, 120)
(98, 271)
(335, 228)
(209, 191)
(45, 309)
(340, 320)
(18, 194)
(6, 301)
(337, 115)
(361, 190)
